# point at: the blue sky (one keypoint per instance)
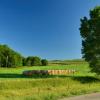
(45, 28)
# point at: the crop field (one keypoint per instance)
(15, 86)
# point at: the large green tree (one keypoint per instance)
(9, 58)
(90, 32)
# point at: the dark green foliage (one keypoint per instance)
(33, 61)
(36, 61)
(90, 32)
(24, 61)
(28, 61)
(9, 58)
(44, 62)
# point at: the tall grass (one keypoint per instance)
(46, 88)
(15, 86)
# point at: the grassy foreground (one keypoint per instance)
(15, 86)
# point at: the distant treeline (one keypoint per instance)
(11, 58)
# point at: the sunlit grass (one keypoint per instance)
(15, 86)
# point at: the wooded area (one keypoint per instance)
(11, 58)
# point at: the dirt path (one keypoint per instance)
(93, 96)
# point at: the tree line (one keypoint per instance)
(11, 58)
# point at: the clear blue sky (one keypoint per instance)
(45, 28)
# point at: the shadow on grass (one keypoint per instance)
(82, 79)
(11, 75)
(86, 79)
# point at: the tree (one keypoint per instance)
(28, 61)
(9, 58)
(33, 61)
(36, 61)
(44, 62)
(24, 61)
(90, 32)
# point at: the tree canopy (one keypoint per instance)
(90, 33)
(33, 61)
(9, 58)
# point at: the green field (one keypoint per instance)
(15, 86)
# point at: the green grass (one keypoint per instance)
(81, 67)
(15, 86)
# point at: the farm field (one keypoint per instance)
(15, 86)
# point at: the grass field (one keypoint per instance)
(15, 86)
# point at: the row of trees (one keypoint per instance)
(34, 61)
(11, 58)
